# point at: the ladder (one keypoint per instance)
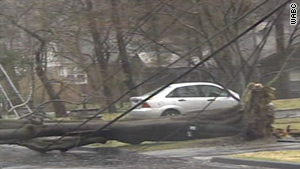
(16, 91)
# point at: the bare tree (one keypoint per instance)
(59, 107)
(115, 15)
(101, 59)
(282, 86)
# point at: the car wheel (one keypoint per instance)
(170, 113)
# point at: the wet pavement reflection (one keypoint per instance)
(104, 158)
(16, 157)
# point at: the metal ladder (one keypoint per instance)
(16, 91)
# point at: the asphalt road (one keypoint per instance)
(14, 157)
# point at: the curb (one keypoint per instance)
(287, 113)
(288, 140)
(288, 109)
(256, 163)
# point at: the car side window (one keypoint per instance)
(187, 91)
(212, 91)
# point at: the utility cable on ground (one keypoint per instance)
(184, 74)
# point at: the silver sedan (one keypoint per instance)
(182, 98)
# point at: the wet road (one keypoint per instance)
(14, 157)
(288, 113)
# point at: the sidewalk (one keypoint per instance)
(220, 154)
(256, 163)
(222, 150)
(287, 113)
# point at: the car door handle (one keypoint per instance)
(182, 100)
(210, 100)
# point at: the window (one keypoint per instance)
(294, 81)
(295, 86)
(198, 91)
(77, 78)
(212, 91)
(81, 78)
(63, 71)
(295, 75)
(187, 91)
(76, 70)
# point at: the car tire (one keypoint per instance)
(170, 112)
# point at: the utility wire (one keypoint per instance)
(176, 19)
(171, 64)
(259, 47)
(143, 20)
(106, 108)
(181, 57)
(111, 76)
(200, 63)
(119, 69)
(184, 74)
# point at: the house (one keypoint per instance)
(265, 61)
(64, 70)
(268, 70)
(67, 76)
(268, 63)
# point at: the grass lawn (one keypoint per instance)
(110, 116)
(286, 156)
(283, 123)
(287, 103)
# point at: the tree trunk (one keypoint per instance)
(155, 33)
(59, 107)
(259, 115)
(282, 81)
(98, 48)
(122, 46)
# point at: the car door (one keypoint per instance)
(218, 97)
(187, 98)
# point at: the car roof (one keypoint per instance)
(192, 83)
